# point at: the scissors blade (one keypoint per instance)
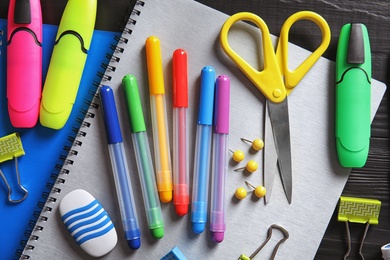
(278, 113)
(270, 156)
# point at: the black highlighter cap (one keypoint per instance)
(22, 13)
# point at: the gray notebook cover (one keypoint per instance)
(318, 179)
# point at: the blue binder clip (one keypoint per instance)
(11, 148)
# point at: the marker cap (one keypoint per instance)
(158, 232)
(198, 227)
(154, 65)
(79, 16)
(165, 195)
(207, 90)
(218, 236)
(134, 243)
(181, 209)
(134, 106)
(180, 79)
(110, 115)
(222, 105)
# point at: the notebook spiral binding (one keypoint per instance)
(1, 41)
(59, 175)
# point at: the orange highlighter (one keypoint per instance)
(181, 195)
(159, 119)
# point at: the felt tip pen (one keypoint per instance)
(181, 196)
(143, 157)
(220, 162)
(353, 95)
(159, 119)
(202, 157)
(24, 62)
(67, 62)
(120, 168)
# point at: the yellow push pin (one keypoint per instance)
(257, 144)
(240, 193)
(238, 155)
(251, 166)
(260, 191)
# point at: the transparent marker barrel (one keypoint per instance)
(202, 158)
(181, 197)
(159, 119)
(120, 168)
(220, 162)
(143, 157)
(148, 184)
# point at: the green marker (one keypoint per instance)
(143, 157)
(67, 62)
(353, 95)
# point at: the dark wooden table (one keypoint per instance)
(371, 181)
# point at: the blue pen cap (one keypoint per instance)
(206, 100)
(135, 242)
(110, 115)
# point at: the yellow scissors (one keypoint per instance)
(275, 82)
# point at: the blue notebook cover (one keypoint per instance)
(45, 149)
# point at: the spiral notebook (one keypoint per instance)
(318, 179)
(45, 149)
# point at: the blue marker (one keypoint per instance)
(203, 150)
(120, 168)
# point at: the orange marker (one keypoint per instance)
(159, 119)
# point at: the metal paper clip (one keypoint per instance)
(358, 210)
(11, 148)
(274, 226)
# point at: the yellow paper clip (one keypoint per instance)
(11, 148)
(358, 210)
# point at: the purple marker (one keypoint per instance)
(220, 162)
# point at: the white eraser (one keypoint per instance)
(88, 223)
(386, 251)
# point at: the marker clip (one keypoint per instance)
(11, 148)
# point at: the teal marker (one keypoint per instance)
(143, 157)
(353, 96)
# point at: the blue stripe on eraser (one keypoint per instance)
(79, 211)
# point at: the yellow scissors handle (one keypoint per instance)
(292, 78)
(269, 81)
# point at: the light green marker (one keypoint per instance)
(143, 157)
(353, 96)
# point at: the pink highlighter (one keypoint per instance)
(24, 62)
